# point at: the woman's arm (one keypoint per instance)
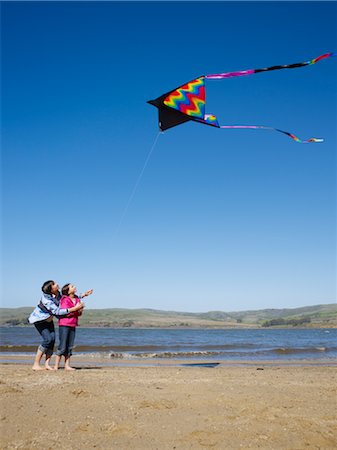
(55, 310)
(67, 302)
(77, 307)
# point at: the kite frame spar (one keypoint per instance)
(188, 102)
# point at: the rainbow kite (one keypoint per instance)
(188, 102)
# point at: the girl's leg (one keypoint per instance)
(57, 362)
(62, 348)
(67, 363)
(71, 339)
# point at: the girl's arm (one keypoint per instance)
(85, 294)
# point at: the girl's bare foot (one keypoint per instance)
(49, 367)
(38, 367)
(68, 368)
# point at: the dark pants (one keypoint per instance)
(67, 338)
(47, 331)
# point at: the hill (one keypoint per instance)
(317, 316)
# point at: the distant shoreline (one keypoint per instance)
(201, 327)
(318, 316)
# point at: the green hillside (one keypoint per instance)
(310, 316)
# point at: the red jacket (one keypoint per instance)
(71, 319)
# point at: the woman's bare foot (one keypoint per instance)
(38, 367)
(68, 368)
(48, 367)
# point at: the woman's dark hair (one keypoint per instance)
(46, 287)
(65, 289)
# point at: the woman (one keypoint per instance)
(42, 318)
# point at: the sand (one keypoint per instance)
(169, 407)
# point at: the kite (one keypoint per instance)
(188, 102)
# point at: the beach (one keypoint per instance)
(167, 405)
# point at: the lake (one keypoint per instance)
(220, 344)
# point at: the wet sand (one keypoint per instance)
(169, 406)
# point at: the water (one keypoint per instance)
(222, 345)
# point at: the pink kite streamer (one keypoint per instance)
(261, 127)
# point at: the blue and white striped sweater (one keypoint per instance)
(49, 303)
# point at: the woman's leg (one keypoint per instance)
(45, 330)
(50, 351)
(37, 360)
(47, 361)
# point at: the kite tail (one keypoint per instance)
(261, 127)
(240, 73)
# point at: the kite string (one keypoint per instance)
(133, 192)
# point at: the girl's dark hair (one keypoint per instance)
(65, 289)
(46, 287)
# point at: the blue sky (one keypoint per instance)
(221, 219)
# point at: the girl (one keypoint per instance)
(68, 324)
(42, 318)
